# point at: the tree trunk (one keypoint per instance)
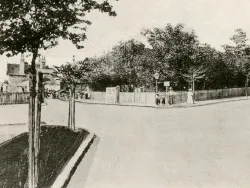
(70, 109)
(246, 85)
(37, 128)
(204, 85)
(71, 117)
(32, 176)
(193, 86)
(73, 109)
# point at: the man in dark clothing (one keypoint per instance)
(157, 100)
(163, 100)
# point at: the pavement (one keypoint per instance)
(203, 147)
(179, 105)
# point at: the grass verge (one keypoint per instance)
(57, 145)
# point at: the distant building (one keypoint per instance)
(18, 80)
(4, 86)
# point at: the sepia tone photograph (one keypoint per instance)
(124, 94)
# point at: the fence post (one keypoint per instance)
(181, 98)
(16, 98)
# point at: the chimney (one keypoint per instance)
(42, 62)
(21, 69)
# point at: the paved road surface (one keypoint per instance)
(206, 146)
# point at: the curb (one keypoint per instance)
(111, 104)
(13, 105)
(180, 105)
(10, 140)
(67, 172)
(18, 124)
(13, 124)
(212, 103)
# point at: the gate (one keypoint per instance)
(112, 94)
(140, 96)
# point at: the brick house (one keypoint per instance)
(17, 75)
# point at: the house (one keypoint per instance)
(4, 86)
(18, 79)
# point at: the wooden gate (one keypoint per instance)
(140, 96)
(112, 94)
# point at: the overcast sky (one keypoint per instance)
(213, 21)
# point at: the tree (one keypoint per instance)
(123, 66)
(217, 74)
(126, 57)
(72, 75)
(29, 26)
(103, 74)
(194, 73)
(238, 56)
(173, 48)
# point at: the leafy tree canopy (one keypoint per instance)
(72, 74)
(237, 55)
(29, 25)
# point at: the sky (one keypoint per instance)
(214, 22)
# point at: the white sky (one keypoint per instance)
(214, 21)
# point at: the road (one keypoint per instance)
(203, 147)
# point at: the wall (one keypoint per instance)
(14, 81)
(180, 96)
(54, 87)
(14, 98)
(98, 96)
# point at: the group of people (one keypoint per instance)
(161, 100)
(84, 95)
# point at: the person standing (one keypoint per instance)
(171, 96)
(157, 99)
(162, 100)
(190, 97)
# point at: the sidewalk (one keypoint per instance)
(211, 102)
(179, 105)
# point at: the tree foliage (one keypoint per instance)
(237, 56)
(29, 25)
(71, 74)
(175, 53)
